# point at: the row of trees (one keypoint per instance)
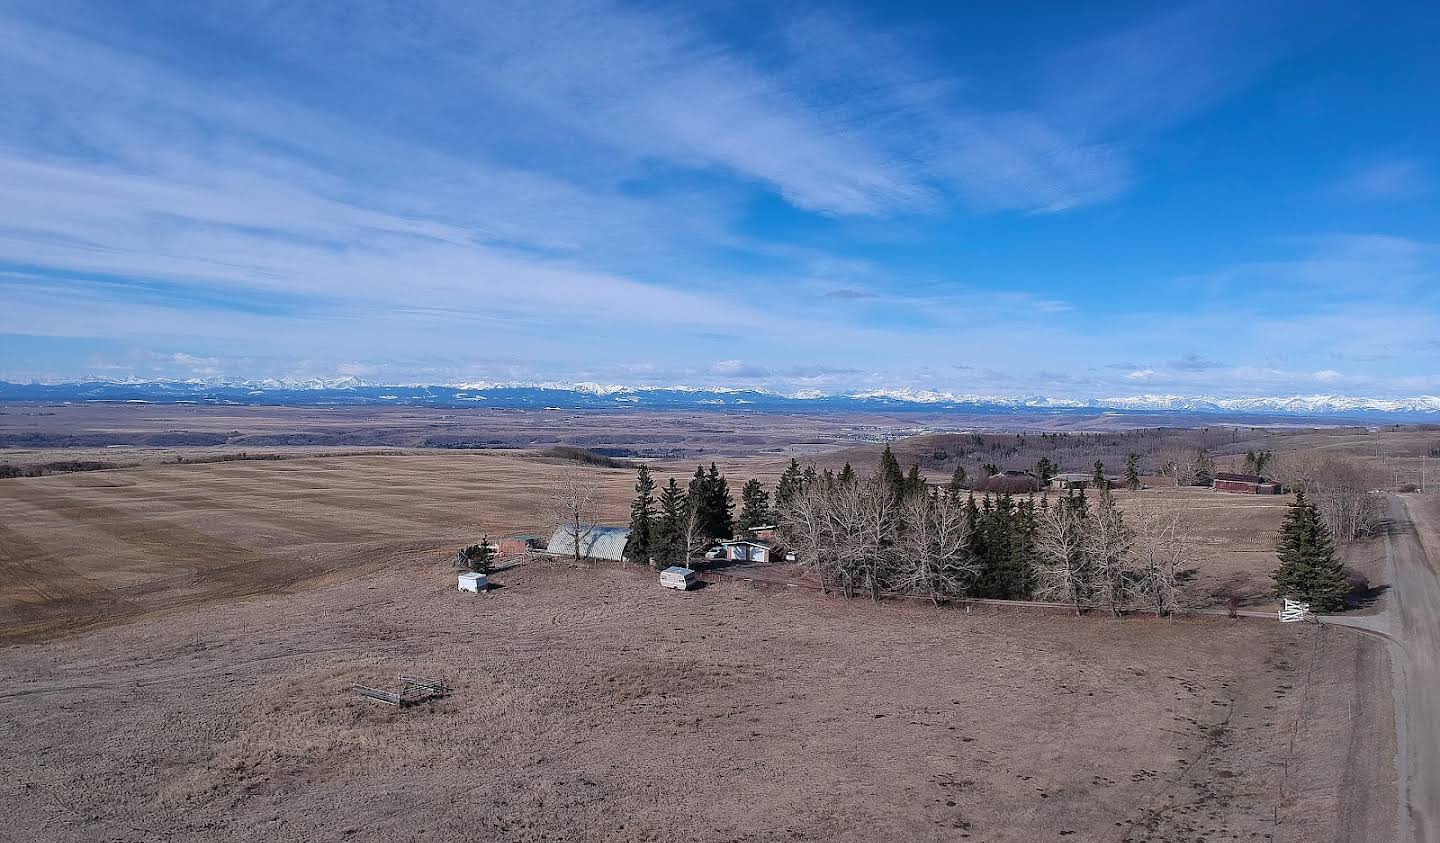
(1341, 487)
(1188, 466)
(682, 522)
(884, 534)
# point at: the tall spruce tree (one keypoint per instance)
(1204, 468)
(1000, 554)
(890, 475)
(710, 495)
(641, 543)
(1132, 471)
(788, 487)
(1309, 571)
(847, 476)
(914, 482)
(669, 540)
(1045, 469)
(958, 481)
(754, 506)
(1099, 477)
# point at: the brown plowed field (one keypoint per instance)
(101, 547)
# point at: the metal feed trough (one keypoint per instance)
(413, 689)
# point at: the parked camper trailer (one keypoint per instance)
(677, 577)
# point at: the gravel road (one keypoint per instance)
(1411, 622)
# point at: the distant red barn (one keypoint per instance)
(1245, 484)
(517, 545)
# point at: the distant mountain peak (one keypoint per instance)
(350, 390)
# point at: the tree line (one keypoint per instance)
(681, 523)
(891, 533)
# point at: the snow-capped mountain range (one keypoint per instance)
(354, 391)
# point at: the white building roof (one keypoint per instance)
(595, 542)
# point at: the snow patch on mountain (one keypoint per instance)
(352, 390)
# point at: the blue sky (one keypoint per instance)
(1076, 200)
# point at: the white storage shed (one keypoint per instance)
(473, 582)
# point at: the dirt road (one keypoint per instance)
(1411, 622)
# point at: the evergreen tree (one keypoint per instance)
(477, 557)
(1045, 469)
(1003, 545)
(809, 478)
(1099, 477)
(789, 485)
(1204, 468)
(890, 475)
(1256, 461)
(710, 494)
(754, 506)
(914, 482)
(1132, 472)
(957, 483)
(847, 476)
(1309, 571)
(640, 545)
(990, 469)
(669, 540)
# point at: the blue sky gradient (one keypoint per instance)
(1076, 200)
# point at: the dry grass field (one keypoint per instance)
(177, 641)
(98, 547)
(103, 546)
(591, 704)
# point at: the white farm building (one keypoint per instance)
(595, 542)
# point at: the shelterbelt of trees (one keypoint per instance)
(892, 533)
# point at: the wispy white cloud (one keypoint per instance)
(1386, 180)
(458, 192)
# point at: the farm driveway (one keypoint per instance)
(1412, 624)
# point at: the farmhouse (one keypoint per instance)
(748, 550)
(1008, 481)
(1245, 484)
(1082, 480)
(595, 542)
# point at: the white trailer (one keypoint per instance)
(473, 582)
(677, 577)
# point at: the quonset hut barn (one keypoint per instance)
(595, 542)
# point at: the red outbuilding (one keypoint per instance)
(1245, 484)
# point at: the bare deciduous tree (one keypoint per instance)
(933, 553)
(804, 523)
(1110, 545)
(571, 508)
(694, 534)
(1164, 552)
(1186, 466)
(1341, 487)
(1062, 564)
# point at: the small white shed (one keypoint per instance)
(470, 581)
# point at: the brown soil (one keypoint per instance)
(591, 704)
